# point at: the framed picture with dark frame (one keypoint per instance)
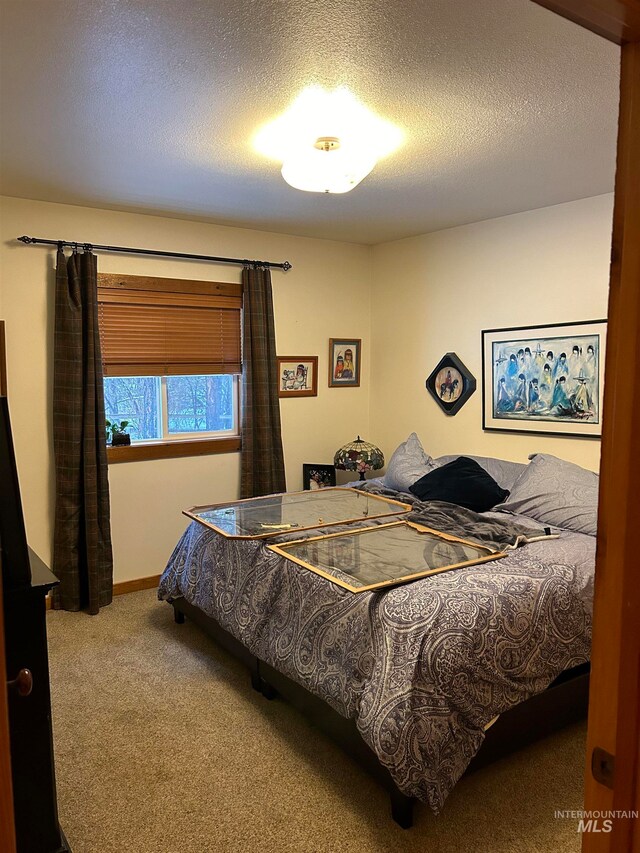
(344, 362)
(545, 379)
(318, 476)
(451, 383)
(297, 375)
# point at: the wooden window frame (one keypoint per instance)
(173, 449)
(167, 448)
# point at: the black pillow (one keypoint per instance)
(461, 482)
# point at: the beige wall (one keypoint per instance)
(435, 293)
(429, 295)
(326, 294)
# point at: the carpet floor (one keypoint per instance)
(162, 746)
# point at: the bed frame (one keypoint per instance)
(563, 702)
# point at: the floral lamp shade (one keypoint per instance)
(359, 456)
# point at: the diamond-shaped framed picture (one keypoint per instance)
(451, 383)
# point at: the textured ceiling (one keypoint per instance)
(152, 105)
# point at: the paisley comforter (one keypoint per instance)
(421, 668)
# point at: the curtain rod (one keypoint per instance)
(88, 247)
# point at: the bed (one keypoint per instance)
(412, 679)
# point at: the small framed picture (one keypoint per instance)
(318, 476)
(297, 375)
(451, 383)
(344, 362)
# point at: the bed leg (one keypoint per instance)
(402, 809)
(263, 686)
(178, 616)
(268, 691)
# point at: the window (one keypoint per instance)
(173, 407)
(171, 355)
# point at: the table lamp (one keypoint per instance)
(359, 456)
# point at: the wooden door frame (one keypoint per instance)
(7, 828)
(615, 20)
(614, 699)
(7, 825)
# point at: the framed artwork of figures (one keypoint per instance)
(344, 362)
(297, 375)
(451, 383)
(545, 379)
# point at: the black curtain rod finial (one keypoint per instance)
(27, 239)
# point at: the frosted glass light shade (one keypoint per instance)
(320, 171)
(363, 138)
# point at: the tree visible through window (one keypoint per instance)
(159, 407)
(135, 399)
(199, 403)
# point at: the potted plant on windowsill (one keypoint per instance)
(116, 431)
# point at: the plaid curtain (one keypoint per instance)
(262, 459)
(82, 558)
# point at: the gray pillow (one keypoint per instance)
(556, 492)
(505, 473)
(408, 463)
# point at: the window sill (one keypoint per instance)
(172, 449)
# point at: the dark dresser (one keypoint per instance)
(25, 584)
(32, 765)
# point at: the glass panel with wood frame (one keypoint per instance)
(259, 518)
(371, 558)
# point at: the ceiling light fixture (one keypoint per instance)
(327, 141)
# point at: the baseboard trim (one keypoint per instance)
(124, 587)
(136, 585)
